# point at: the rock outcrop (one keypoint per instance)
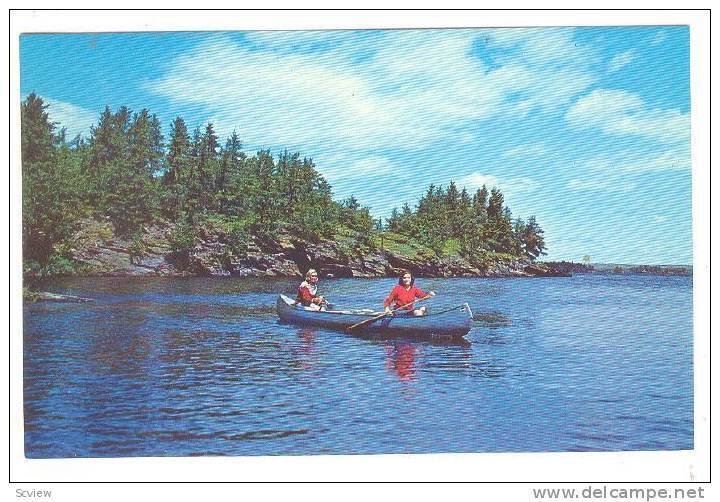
(99, 252)
(44, 296)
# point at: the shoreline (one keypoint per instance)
(95, 251)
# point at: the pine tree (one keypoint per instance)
(407, 223)
(531, 237)
(464, 215)
(109, 152)
(192, 185)
(173, 192)
(393, 223)
(52, 184)
(207, 166)
(178, 153)
(130, 199)
(452, 196)
(255, 191)
(36, 135)
(495, 204)
(230, 168)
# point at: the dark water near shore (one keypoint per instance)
(177, 367)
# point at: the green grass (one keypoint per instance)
(451, 248)
(400, 244)
(222, 222)
(343, 234)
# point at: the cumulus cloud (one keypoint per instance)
(405, 90)
(675, 158)
(511, 186)
(620, 61)
(620, 112)
(75, 119)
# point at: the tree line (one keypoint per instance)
(477, 226)
(129, 173)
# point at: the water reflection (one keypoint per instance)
(400, 358)
(491, 319)
(306, 337)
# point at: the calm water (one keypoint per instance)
(179, 367)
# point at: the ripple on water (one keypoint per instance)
(201, 366)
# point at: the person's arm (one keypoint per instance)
(419, 293)
(389, 300)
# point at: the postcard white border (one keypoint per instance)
(674, 466)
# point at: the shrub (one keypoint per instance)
(137, 248)
(59, 265)
(182, 238)
(238, 238)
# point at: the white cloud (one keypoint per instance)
(301, 41)
(659, 38)
(510, 186)
(676, 158)
(622, 113)
(75, 119)
(411, 88)
(542, 46)
(620, 61)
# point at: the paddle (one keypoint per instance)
(385, 314)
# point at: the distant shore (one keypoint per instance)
(620, 268)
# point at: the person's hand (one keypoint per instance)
(387, 310)
(432, 293)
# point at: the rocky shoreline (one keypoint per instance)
(98, 252)
(95, 251)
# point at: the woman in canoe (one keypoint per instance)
(307, 292)
(404, 294)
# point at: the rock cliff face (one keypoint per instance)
(99, 252)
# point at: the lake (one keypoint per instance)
(201, 366)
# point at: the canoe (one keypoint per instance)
(454, 322)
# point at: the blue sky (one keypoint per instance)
(588, 129)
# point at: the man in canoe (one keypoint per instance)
(307, 292)
(404, 294)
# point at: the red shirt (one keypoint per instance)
(404, 297)
(306, 294)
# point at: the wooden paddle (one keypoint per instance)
(385, 314)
